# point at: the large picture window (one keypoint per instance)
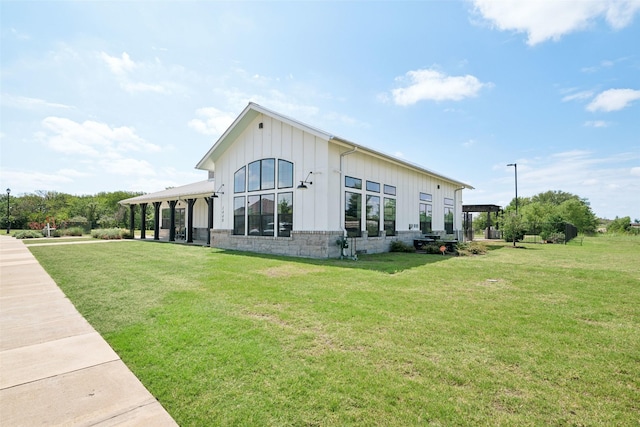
(353, 214)
(425, 218)
(373, 216)
(389, 216)
(259, 213)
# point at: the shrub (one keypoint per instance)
(73, 231)
(471, 248)
(555, 238)
(27, 234)
(398, 246)
(107, 233)
(432, 249)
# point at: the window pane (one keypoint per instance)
(425, 218)
(448, 220)
(373, 216)
(239, 179)
(254, 176)
(238, 216)
(352, 182)
(373, 186)
(267, 204)
(353, 214)
(268, 174)
(285, 214)
(448, 202)
(390, 216)
(390, 190)
(285, 174)
(425, 197)
(253, 215)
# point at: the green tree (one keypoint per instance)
(619, 225)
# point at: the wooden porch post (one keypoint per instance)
(172, 220)
(156, 220)
(189, 230)
(132, 218)
(143, 226)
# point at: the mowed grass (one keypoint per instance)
(540, 335)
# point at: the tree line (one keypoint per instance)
(551, 208)
(35, 210)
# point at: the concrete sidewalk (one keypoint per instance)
(55, 369)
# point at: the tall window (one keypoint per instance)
(353, 214)
(373, 216)
(238, 215)
(390, 216)
(448, 219)
(260, 209)
(256, 213)
(425, 218)
(285, 214)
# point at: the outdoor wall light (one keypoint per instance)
(215, 193)
(302, 185)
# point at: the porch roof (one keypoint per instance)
(190, 191)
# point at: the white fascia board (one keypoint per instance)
(250, 112)
(190, 191)
(398, 161)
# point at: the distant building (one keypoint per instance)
(283, 187)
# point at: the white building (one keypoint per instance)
(283, 187)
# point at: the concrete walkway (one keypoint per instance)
(55, 369)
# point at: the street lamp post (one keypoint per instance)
(515, 167)
(8, 219)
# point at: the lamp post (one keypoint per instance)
(515, 168)
(8, 219)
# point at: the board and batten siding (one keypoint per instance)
(279, 140)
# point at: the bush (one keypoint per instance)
(432, 249)
(108, 233)
(73, 231)
(398, 246)
(27, 234)
(554, 238)
(471, 248)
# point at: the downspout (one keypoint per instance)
(455, 211)
(341, 191)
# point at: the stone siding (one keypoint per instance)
(308, 244)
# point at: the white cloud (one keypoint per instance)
(613, 100)
(597, 124)
(635, 171)
(550, 20)
(27, 103)
(128, 167)
(212, 121)
(430, 84)
(585, 94)
(119, 66)
(92, 139)
(143, 87)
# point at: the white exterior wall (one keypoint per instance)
(279, 140)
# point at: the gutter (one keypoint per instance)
(341, 192)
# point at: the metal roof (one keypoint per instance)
(189, 191)
(252, 110)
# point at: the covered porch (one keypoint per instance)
(180, 215)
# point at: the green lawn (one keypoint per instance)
(541, 335)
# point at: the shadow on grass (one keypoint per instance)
(388, 262)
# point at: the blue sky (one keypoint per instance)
(105, 96)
